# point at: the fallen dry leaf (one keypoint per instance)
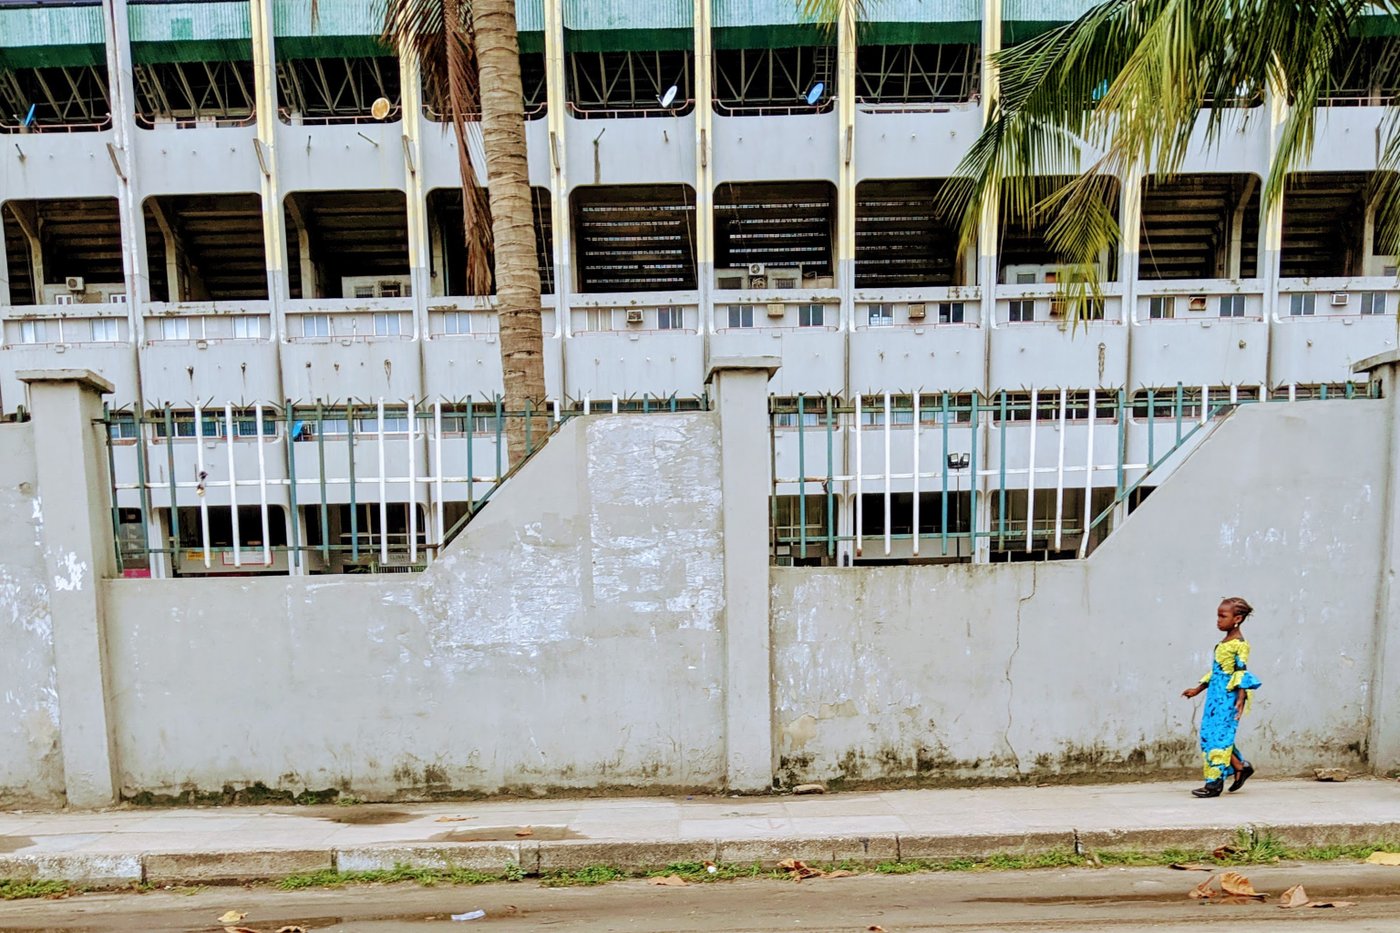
(1236, 884)
(670, 881)
(1293, 897)
(453, 819)
(522, 833)
(1190, 866)
(797, 870)
(1228, 850)
(874, 929)
(1203, 890)
(1384, 858)
(840, 873)
(231, 916)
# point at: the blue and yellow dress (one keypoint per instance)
(1228, 673)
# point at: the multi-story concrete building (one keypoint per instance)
(248, 218)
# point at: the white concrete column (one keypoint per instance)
(741, 398)
(704, 167)
(122, 99)
(1129, 257)
(557, 117)
(845, 265)
(419, 257)
(1271, 220)
(991, 211)
(1383, 741)
(265, 151)
(75, 494)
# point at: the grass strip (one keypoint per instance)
(1249, 848)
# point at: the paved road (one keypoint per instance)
(1104, 901)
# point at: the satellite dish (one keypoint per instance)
(379, 109)
(815, 94)
(669, 97)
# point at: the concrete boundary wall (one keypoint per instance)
(1074, 668)
(594, 628)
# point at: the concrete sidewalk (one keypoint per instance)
(224, 844)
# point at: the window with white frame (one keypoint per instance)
(811, 315)
(1373, 302)
(175, 328)
(33, 332)
(1302, 303)
(670, 319)
(741, 315)
(388, 324)
(315, 325)
(597, 319)
(248, 327)
(1021, 311)
(1161, 307)
(1232, 306)
(951, 312)
(457, 323)
(880, 315)
(105, 330)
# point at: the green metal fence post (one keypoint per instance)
(1001, 479)
(112, 473)
(801, 476)
(321, 481)
(943, 472)
(354, 506)
(830, 485)
(973, 482)
(287, 424)
(142, 474)
(174, 506)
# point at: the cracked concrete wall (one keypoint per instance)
(570, 638)
(31, 760)
(1076, 668)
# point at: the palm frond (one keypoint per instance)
(1131, 86)
(438, 33)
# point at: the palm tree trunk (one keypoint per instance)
(512, 220)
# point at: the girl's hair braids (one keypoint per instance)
(1239, 605)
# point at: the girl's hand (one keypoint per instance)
(1190, 692)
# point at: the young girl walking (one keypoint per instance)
(1228, 687)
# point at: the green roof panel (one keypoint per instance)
(183, 32)
(52, 37)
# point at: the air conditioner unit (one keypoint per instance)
(757, 268)
(1340, 299)
(733, 280)
(74, 283)
(117, 298)
(758, 281)
(634, 316)
(1196, 303)
(776, 309)
(63, 299)
(785, 279)
(918, 311)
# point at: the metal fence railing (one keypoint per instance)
(360, 487)
(1040, 473)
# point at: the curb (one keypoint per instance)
(117, 870)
